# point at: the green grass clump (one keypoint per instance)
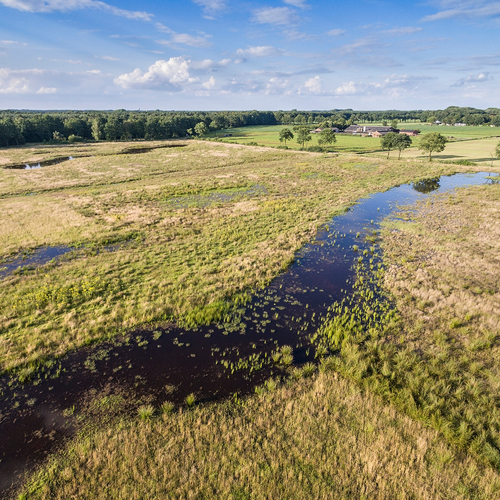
(190, 399)
(146, 412)
(167, 408)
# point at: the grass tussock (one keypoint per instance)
(318, 437)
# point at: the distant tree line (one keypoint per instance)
(20, 127)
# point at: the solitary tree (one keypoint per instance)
(497, 151)
(400, 142)
(285, 135)
(388, 142)
(201, 129)
(394, 124)
(433, 142)
(326, 137)
(303, 135)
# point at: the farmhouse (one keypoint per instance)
(409, 132)
(367, 130)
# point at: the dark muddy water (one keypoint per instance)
(212, 361)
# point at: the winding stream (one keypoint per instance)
(212, 361)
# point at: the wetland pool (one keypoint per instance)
(55, 161)
(214, 361)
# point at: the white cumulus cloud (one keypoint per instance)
(470, 80)
(46, 90)
(347, 89)
(313, 85)
(277, 86)
(210, 83)
(172, 75)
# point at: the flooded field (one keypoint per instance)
(265, 335)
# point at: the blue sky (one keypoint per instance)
(228, 54)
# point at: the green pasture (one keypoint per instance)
(466, 143)
(480, 151)
(476, 144)
(449, 132)
(268, 135)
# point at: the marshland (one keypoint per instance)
(205, 319)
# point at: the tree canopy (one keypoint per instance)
(400, 142)
(432, 142)
(285, 135)
(200, 129)
(303, 135)
(388, 142)
(326, 137)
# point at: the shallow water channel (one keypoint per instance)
(214, 361)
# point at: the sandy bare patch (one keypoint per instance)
(218, 153)
(245, 206)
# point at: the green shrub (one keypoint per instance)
(75, 138)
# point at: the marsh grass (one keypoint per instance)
(318, 437)
(188, 265)
(431, 346)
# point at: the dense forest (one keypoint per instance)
(20, 127)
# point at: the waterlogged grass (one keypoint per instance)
(313, 436)
(191, 263)
(431, 347)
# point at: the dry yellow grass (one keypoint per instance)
(318, 438)
(444, 272)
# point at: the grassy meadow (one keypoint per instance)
(407, 408)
